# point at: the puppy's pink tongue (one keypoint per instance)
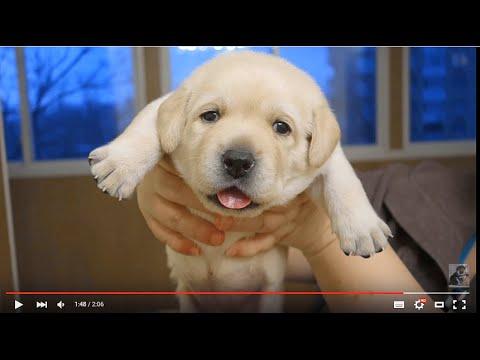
(233, 198)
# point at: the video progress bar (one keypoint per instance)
(232, 293)
(204, 292)
(436, 293)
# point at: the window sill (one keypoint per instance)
(80, 167)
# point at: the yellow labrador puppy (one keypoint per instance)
(247, 132)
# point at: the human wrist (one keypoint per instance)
(314, 234)
(318, 243)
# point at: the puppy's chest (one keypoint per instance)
(213, 271)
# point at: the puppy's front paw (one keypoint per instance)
(117, 169)
(362, 233)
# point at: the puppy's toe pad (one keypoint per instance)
(97, 155)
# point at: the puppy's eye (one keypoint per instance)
(281, 128)
(210, 116)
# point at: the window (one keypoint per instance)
(442, 94)
(59, 103)
(348, 78)
(73, 98)
(10, 103)
(346, 75)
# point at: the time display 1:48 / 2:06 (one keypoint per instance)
(89, 304)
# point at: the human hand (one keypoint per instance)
(300, 224)
(164, 199)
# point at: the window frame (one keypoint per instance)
(353, 152)
(29, 167)
(426, 148)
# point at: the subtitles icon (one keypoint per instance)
(399, 304)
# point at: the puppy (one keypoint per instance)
(247, 132)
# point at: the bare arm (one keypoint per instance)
(298, 268)
(334, 271)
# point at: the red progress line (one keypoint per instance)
(204, 293)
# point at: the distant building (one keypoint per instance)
(442, 94)
(353, 93)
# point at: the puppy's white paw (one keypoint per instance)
(118, 167)
(361, 233)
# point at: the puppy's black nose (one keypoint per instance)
(238, 163)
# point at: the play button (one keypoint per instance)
(18, 304)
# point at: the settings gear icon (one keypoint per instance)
(419, 304)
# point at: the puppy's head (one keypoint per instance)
(247, 131)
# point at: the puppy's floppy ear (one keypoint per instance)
(172, 119)
(325, 135)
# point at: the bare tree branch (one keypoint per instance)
(61, 95)
(88, 84)
(47, 82)
(5, 93)
(70, 66)
(62, 58)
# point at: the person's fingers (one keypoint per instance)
(167, 164)
(172, 239)
(173, 188)
(262, 242)
(266, 222)
(181, 220)
(273, 221)
(322, 225)
(298, 201)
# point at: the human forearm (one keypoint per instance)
(298, 268)
(333, 271)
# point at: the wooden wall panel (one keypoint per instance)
(71, 236)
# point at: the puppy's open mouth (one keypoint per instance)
(232, 198)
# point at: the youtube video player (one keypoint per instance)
(237, 179)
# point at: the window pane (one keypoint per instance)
(442, 94)
(10, 102)
(185, 59)
(347, 76)
(79, 98)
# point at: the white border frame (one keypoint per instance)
(427, 148)
(65, 167)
